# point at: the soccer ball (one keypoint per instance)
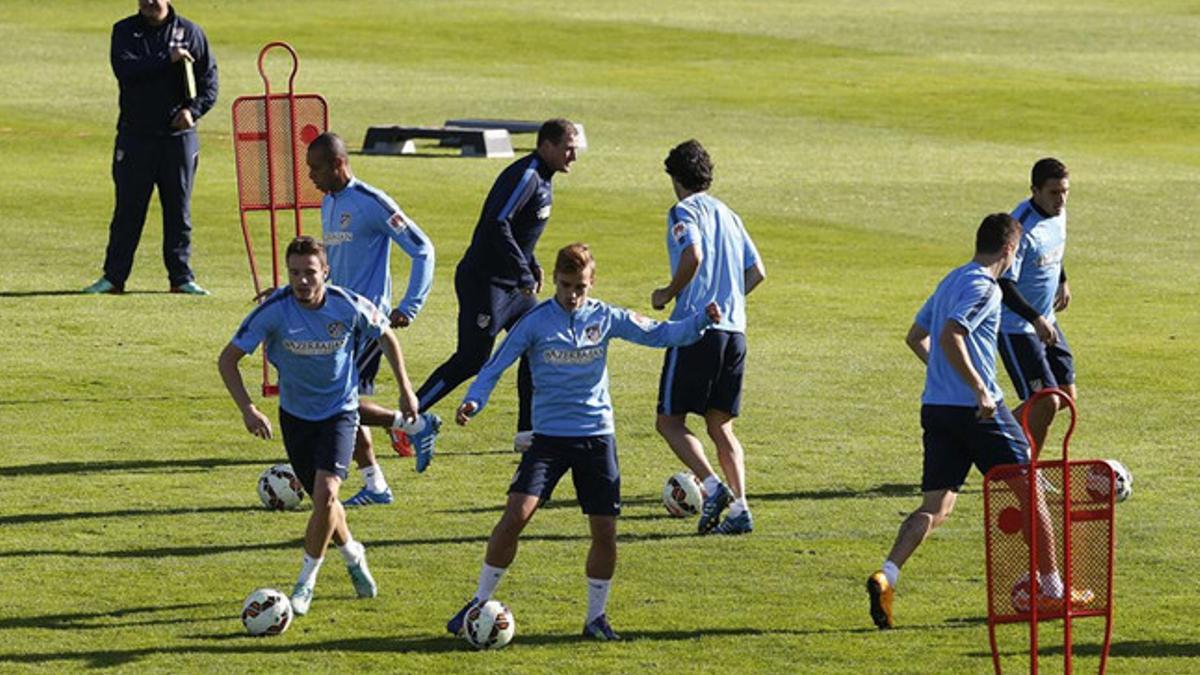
(279, 489)
(1098, 485)
(683, 495)
(266, 612)
(489, 626)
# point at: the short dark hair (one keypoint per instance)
(1047, 168)
(330, 143)
(690, 164)
(306, 245)
(574, 259)
(555, 130)
(995, 231)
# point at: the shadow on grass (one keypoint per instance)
(63, 468)
(76, 291)
(172, 398)
(234, 643)
(1126, 649)
(23, 518)
(94, 620)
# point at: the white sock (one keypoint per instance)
(738, 507)
(489, 578)
(373, 477)
(710, 484)
(352, 552)
(309, 569)
(597, 597)
(1050, 584)
(409, 428)
(892, 572)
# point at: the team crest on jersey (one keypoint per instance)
(544, 213)
(592, 333)
(483, 320)
(398, 222)
(678, 231)
(1036, 384)
(344, 220)
(179, 34)
(336, 329)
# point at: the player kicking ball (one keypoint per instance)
(311, 331)
(963, 414)
(566, 340)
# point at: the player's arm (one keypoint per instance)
(416, 244)
(129, 63)
(689, 262)
(953, 342)
(1015, 301)
(638, 329)
(205, 68)
(227, 364)
(918, 341)
(502, 238)
(754, 276)
(409, 407)
(1062, 297)
(514, 344)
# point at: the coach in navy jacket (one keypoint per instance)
(156, 137)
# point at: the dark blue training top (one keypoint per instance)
(152, 88)
(513, 217)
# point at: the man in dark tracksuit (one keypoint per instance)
(156, 138)
(498, 278)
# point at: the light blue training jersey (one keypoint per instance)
(357, 223)
(1038, 264)
(568, 353)
(728, 251)
(970, 297)
(313, 349)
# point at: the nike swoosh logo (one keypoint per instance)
(293, 331)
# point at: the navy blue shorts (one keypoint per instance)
(367, 364)
(592, 461)
(955, 439)
(327, 444)
(485, 308)
(704, 375)
(1034, 366)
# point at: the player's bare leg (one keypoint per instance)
(674, 430)
(501, 551)
(936, 506)
(601, 563)
(375, 489)
(327, 517)
(733, 464)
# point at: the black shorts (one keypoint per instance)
(955, 439)
(327, 444)
(367, 364)
(592, 461)
(1034, 366)
(704, 375)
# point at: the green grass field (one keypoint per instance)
(861, 142)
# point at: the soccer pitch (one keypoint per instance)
(860, 142)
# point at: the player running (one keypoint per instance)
(1032, 344)
(359, 223)
(314, 333)
(566, 342)
(963, 414)
(499, 277)
(712, 258)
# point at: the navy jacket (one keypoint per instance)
(152, 89)
(512, 220)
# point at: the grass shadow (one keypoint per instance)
(25, 518)
(125, 466)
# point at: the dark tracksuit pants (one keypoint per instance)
(141, 162)
(484, 309)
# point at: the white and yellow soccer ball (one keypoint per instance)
(489, 626)
(1098, 483)
(266, 612)
(683, 495)
(279, 488)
